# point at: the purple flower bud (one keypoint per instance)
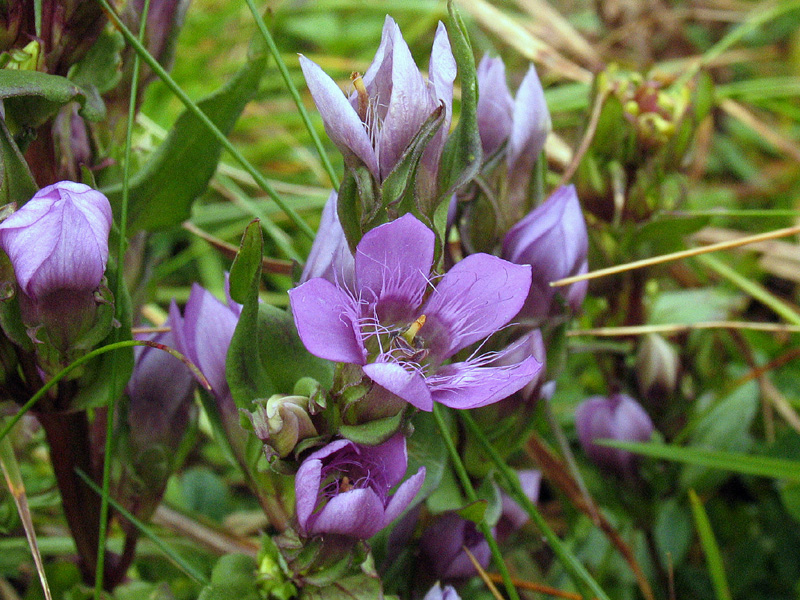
(513, 516)
(528, 134)
(443, 543)
(161, 389)
(71, 137)
(552, 238)
(343, 488)
(59, 240)
(439, 593)
(495, 105)
(330, 256)
(523, 122)
(616, 417)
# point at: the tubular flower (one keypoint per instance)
(443, 545)
(552, 238)
(343, 488)
(391, 102)
(401, 329)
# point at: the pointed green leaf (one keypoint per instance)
(32, 97)
(16, 182)
(162, 192)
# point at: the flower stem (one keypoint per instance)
(463, 477)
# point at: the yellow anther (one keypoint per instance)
(363, 96)
(410, 333)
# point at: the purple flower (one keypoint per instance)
(343, 488)
(616, 417)
(330, 256)
(439, 593)
(495, 105)
(443, 543)
(203, 335)
(59, 240)
(552, 238)
(401, 338)
(376, 124)
(161, 389)
(524, 122)
(513, 516)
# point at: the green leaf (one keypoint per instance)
(162, 192)
(673, 532)
(374, 432)
(398, 187)
(425, 449)
(475, 511)
(266, 355)
(246, 266)
(462, 154)
(32, 97)
(101, 67)
(16, 182)
(234, 576)
(745, 464)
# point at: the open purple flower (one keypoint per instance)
(552, 238)
(616, 417)
(439, 593)
(343, 488)
(401, 329)
(376, 124)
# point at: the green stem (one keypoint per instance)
(576, 570)
(112, 401)
(463, 477)
(262, 27)
(200, 115)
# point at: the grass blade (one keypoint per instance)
(710, 547)
(746, 464)
(10, 467)
(576, 570)
(147, 532)
(262, 27)
(195, 110)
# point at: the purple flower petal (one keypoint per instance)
(441, 75)
(306, 485)
(465, 385)
(393, 263)
(393, 458)
(531, 124)
(341, 120)
(357, 513)
(59, 239)
(410, 105)
(330, 256)
(474, 299)
(409, 386)
(326, 320)
(404, 495)
(495, 104)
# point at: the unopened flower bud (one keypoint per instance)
(657, 367)
(552, 238)
(282, 421)
(617, 417)
(58, 245)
